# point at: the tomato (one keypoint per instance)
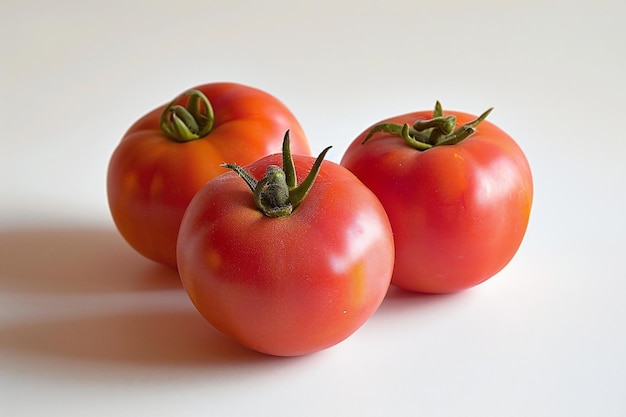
(171, 152)
(287, 270)
(458, 192)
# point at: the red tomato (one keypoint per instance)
(167, 155)
(458, 198)
(293, 284)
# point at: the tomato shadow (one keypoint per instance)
(399, 300)
(71, 260)
(164, 339)
(120, 314)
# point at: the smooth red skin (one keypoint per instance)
(287, 286)
(459, 212)
(152, 179)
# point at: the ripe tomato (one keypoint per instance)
(299, 281)
(168, 154)
(458, 192)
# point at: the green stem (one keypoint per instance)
(245, 175)
(414, 138)
(288, 166)
(444, 124)
(438, 112)
(183, 123)
(278, 194)
(271, 194)
(425, 134)
(299, 193)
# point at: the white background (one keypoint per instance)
(90, 328)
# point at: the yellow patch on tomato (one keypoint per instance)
(130, 182)
(357, 274)
(156, 186)
(213, 259)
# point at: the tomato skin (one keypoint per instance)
(151, 179)
(293, 285)
(458, 212)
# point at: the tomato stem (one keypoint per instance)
(183, 123)
(425, 134)
(277, 194)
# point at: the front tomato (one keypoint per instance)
(458, 192)
(168, 154)
(297, 272)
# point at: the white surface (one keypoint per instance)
(87, 327)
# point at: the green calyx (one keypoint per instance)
(278, 193)
(183, 122)
(424, 134)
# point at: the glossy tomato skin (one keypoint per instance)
(151, 179)
(458, 212)
(293, 285)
